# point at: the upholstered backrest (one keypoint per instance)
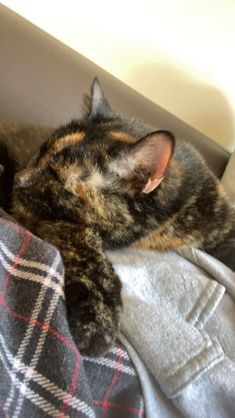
(42, 82)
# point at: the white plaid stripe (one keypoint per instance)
(103, 361)
(57, 287)
(44, 331)
(118, 351)
(30, 394)
(29, 331)
(32, 264)
(141, 408)
(41, 380)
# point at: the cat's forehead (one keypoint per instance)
(94, 134)
(95, 138)
(56, 146)
(65, 141)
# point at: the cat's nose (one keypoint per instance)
(23, 178)
(18, 181)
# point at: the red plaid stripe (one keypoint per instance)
(114, 381)
(31, 356)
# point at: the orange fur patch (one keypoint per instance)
(59, 145)
(162, 239)
(80, 191)
(66, 141)
(156, 241)
(121, 136)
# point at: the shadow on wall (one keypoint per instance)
(200, 105)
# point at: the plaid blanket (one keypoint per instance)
(41, 371)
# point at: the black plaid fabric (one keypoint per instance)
(41, 371)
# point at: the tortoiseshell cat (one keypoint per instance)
(103, 182)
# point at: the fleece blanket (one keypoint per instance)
(41, 371)
(179, 322)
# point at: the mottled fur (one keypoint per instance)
(18, 143)
(103, 182)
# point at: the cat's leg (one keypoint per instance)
(225, 250)
(92, 288)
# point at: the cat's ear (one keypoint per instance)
(144, 163)
(99, 105)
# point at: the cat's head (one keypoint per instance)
(92, 168)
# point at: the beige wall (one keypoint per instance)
(179, 53)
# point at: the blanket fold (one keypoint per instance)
(167, 302)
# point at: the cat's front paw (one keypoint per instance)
(94, 327)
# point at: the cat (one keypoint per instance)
(18, 144)
(105, 182)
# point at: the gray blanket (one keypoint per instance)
(181, 324)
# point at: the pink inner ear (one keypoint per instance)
(162, 147)
(155, 152)
(152, 184)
